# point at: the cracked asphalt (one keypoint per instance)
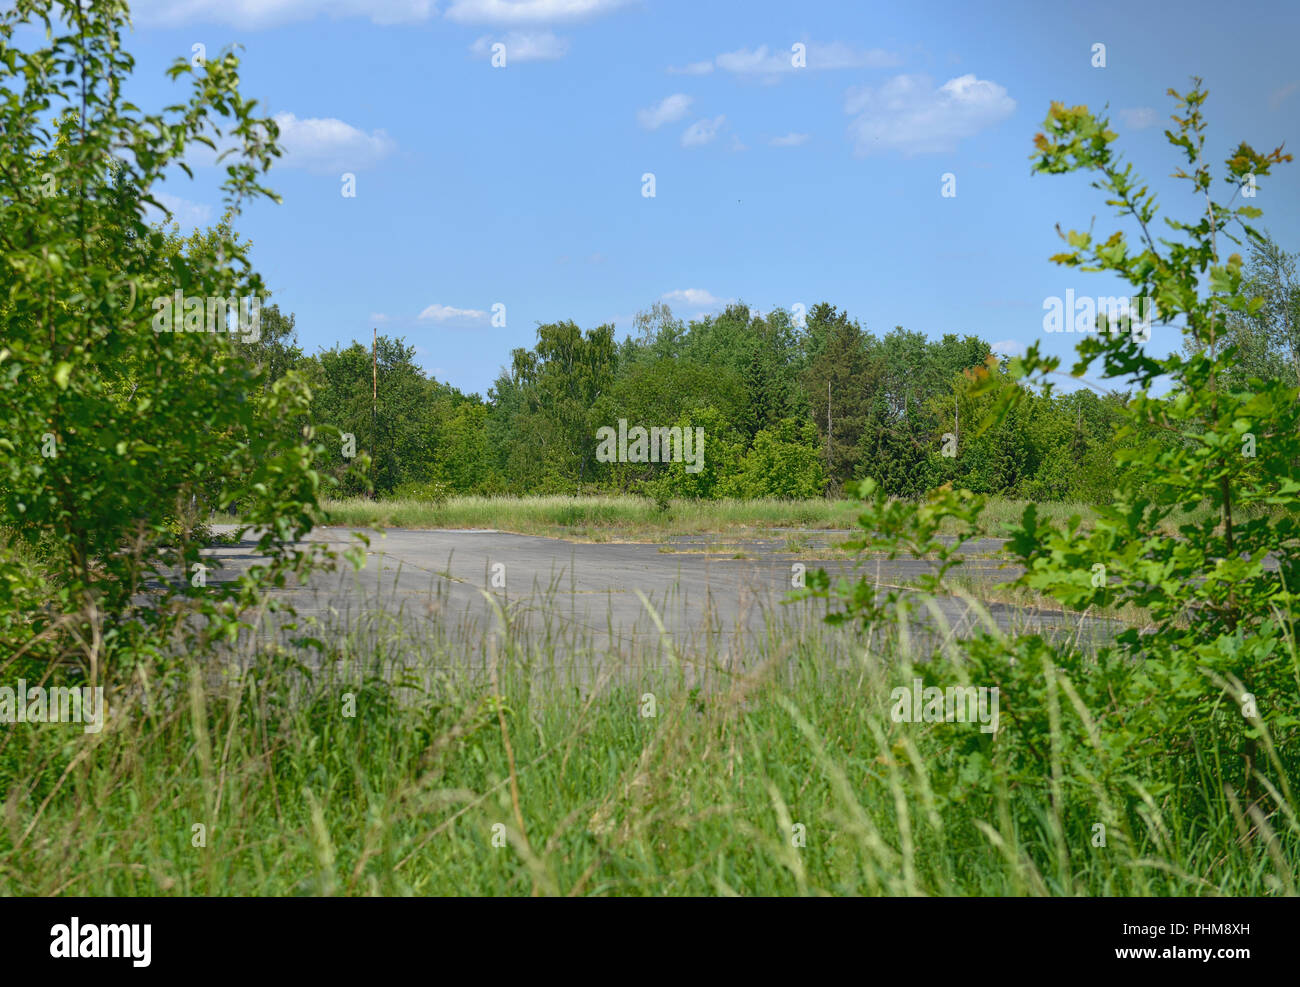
(711, 593)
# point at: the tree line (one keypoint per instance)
(788, 410)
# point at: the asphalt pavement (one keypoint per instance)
(695, 594)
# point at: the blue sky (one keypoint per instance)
(778, 185)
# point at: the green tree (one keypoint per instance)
(1213, 670)
(841, 381)
(659, 393)
(722, 448)
(783, 462)
(660, 336)
(382, 401)
(463, 458)
(109, 426)
(1267, 339)
(763, 352)
(547, 431)
(276, 351)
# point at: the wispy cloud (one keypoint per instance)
(1279, 95)
(694, 298)
(1138, 117)
(668, 110)
(528, 11)
(775, 62)
(255, 15)
(702, 132)
(327, 145)
(523, 46)
(789, 140)
(449, 313)
(910, 115)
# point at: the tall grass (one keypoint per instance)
(599, 518)
(490, 764)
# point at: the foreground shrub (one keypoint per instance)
(128, 408)
(1210, 687)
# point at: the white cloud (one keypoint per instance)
(184, 213)
(771, 63)
(695, 298)
(448, 313)
(1008, 347)
(256, 14)
(328, 145)
(694, 68)
(378, 317)
(702, 132)
(669, 110)
(523, 46)
(259, 14)
(527, 11)
(789, 140)
(838, 55)
(1138, 118)
(1279, 95)
(760, 60)
(908, 114)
